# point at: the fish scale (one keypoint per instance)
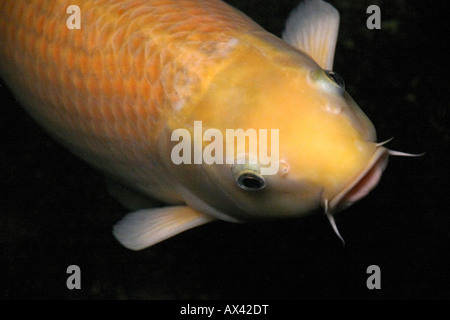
(105, 90)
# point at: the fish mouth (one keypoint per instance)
(362, 184)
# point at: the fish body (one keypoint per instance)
(115, 91)
(107, 90)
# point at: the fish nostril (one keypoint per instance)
(333, 109)
(284, 168)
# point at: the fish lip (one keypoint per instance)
(365, 182)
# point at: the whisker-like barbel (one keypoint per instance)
(380, 144)
(333, 222)
(404, 154)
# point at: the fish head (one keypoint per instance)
(315, 146)
(320, 148)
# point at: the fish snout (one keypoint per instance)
(361, 185)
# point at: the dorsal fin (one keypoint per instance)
(313, 28)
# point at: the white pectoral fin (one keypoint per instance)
(313, 28)
(144, 228)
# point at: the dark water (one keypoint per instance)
(54, 211)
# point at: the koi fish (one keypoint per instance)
(115, 91)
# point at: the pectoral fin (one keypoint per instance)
(313, 28)
(144, 228)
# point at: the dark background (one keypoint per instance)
(55, 212)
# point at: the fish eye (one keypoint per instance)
(250, 180)
(329, 80)
(336, 78)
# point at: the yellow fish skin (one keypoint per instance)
(114, 91)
